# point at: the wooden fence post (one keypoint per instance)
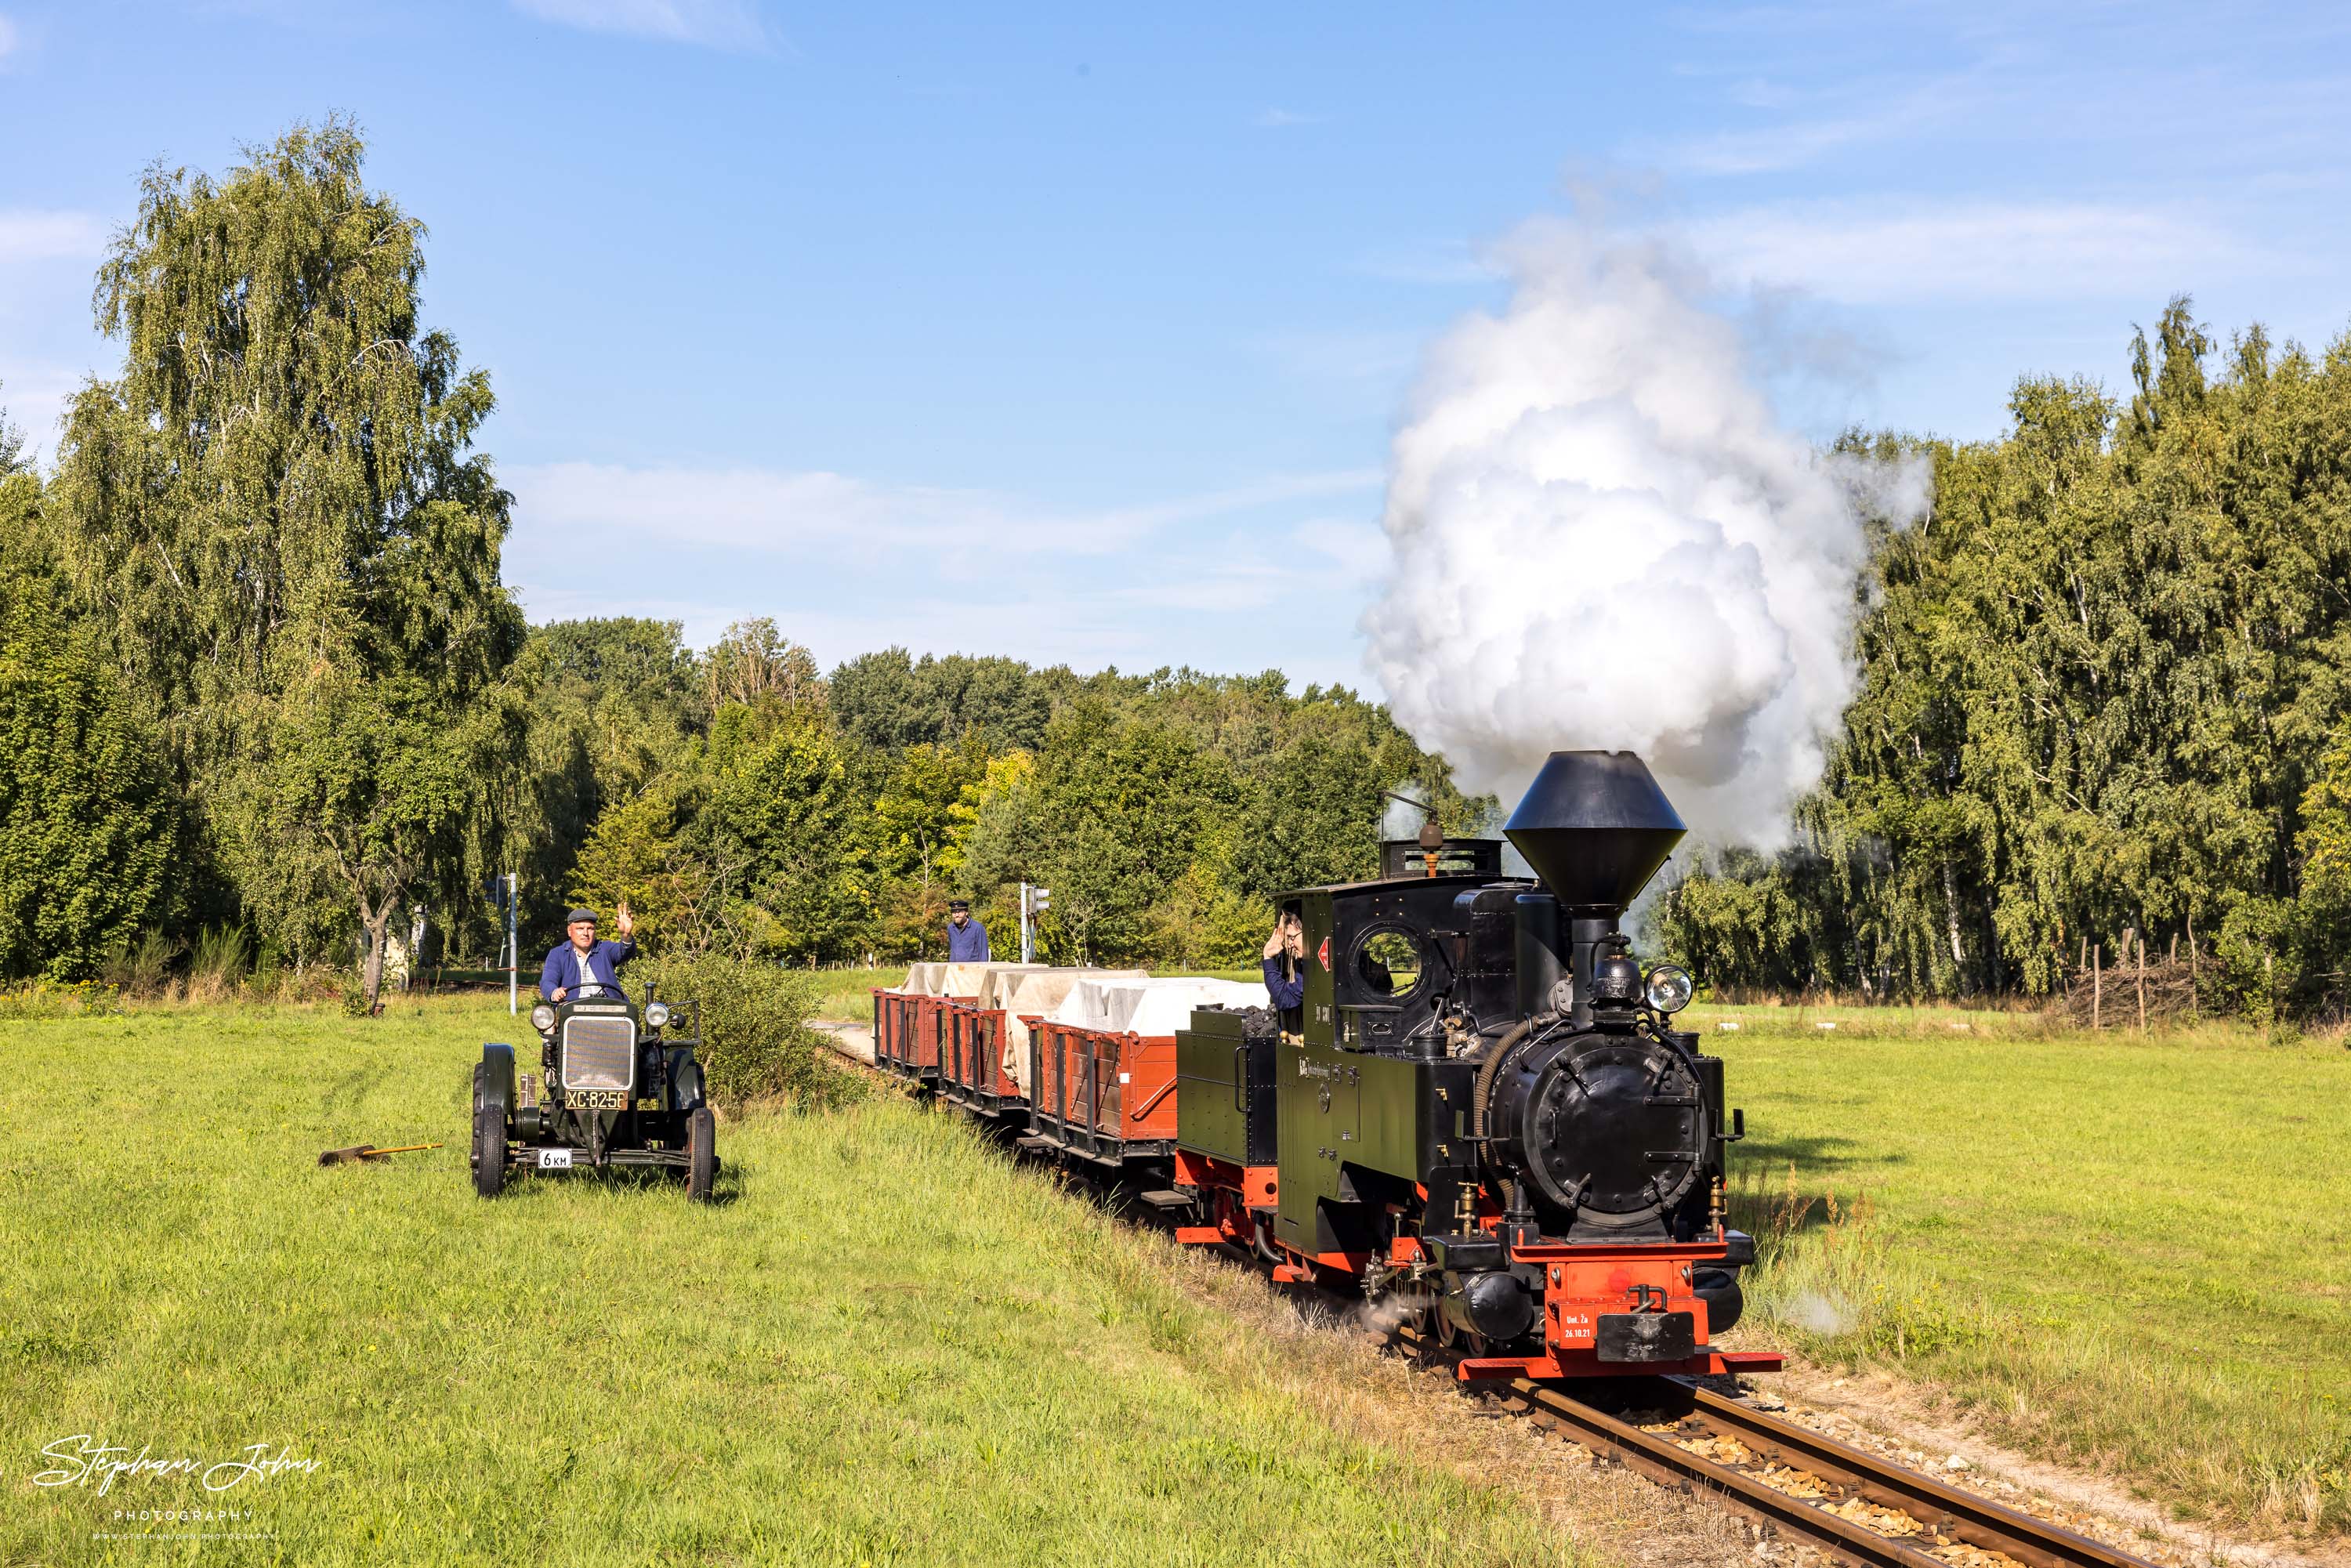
(2097, 988)
(2142, 983)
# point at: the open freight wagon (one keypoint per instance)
(1102, 1065)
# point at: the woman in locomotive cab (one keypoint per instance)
(1285, 969)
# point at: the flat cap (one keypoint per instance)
(577, 916)
(955, 903)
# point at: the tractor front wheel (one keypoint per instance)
(489, 1138)
(701, 1153)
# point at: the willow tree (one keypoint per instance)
(276, 512)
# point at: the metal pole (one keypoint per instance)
(513, 950)
(1028, 946)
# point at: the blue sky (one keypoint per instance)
(1081, 333)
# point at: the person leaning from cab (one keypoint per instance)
(1285, 971)
(580, 967)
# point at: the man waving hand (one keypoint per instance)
(580, 966)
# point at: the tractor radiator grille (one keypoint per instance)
(600, 1053)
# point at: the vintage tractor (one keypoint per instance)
(618, 1089)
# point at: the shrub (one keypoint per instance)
(755, 1041)
(140, 968)
(220, 963)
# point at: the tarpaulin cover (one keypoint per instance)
(922, 979)
(1034, 993)
(1151, 1008)
(965, 980)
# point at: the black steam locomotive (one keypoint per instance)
(1482, 1110)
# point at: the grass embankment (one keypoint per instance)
(887, 1345)
(2122, 1250)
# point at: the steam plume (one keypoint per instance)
(1604, 538)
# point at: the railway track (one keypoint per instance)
(1850, 1504)
(1794, 1482)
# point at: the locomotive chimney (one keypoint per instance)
(1595, 828)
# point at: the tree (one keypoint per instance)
(277, 515)
(89, 824)
(754, 662)
(782, 832)
(889, 701)
(617, 705)
(1126, 807)
(2098, 689)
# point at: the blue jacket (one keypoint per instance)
(604, 961)
(967, 942)
(1286, 992)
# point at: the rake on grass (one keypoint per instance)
(369, 1151)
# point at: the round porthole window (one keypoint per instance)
(1388, 963)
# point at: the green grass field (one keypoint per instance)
(888, 1345)
(2128, 1251)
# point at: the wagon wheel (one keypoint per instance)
(489, 1138)
(701, 1153)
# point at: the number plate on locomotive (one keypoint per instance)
(600, 1099)
(555, 1159)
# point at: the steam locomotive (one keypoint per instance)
(1480, 1115)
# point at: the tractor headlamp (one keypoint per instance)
(656, 1014)
(542, 1017)
(1669, 989)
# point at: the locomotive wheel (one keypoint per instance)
(701, 1153)
(489, 1140)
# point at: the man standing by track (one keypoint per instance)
(966, 938)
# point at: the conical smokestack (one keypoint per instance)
(1595, 827)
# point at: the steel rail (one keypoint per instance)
(1945, 1514)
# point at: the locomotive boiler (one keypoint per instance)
(1481, 1114)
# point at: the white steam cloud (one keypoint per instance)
(1604, 538)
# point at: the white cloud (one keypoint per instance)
(8, 37)
(1280, 119)
(1875, 253)
(812, 510)
(27, 235)
(718, 24)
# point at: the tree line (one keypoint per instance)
(2105, 703)
(263, 688)
(260, 673)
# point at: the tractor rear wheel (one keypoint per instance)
(701, 1153)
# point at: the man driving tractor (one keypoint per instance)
(579, 963)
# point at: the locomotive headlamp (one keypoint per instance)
(1669, 988)
(542, 1017)
(656, 1014)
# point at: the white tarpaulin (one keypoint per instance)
(969, 980)
(922, 979)
(1034, 993)
(1151, 1008)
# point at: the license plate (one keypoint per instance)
(601, 1099)
(555, 1159)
